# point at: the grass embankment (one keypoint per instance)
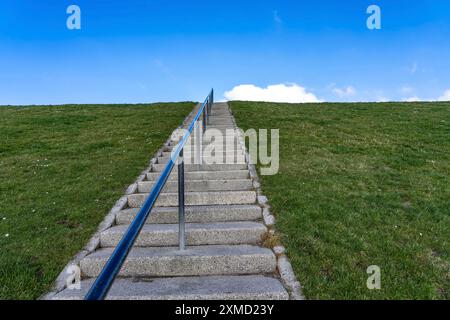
(360, 185)
(62, 169)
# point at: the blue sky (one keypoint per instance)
(145, 51)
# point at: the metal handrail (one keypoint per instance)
(104, 281)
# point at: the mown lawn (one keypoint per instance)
(359, 185)
(61, 170)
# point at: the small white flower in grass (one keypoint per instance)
(7, 235)
(421, 234)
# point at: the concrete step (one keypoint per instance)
(225, 139)
(236, 148)
(208, 153)
(253, 287)
(158, 167)
(194, 261)
(213, 122)
(216, 159)
(219, 109)
(227, 136)
(229, 126)
(196, 198)
(223, 129)
(193, 145)
(203, 175)
(195, 214)
(232, 130)
(160, 235)
(181, 131)
(220, 106)
(221, 152)
(224, 143)
(216, 145)
(216, 116)
(200, 185)
(223, 115)
(220, 117)
(222, 126)
(226, 116)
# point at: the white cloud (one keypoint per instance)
(381, 99)
(291, 93)
(445, 96)
(344, 92)
(409, 94)
(412, 99)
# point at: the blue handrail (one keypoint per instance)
(104, 281)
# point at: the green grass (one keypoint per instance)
(360, 185)
(62, 168)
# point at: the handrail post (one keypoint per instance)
(198, 142)
(181, 216)
(209, 108)
(207, 113)
(204, 121)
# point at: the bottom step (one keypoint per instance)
(188, 288)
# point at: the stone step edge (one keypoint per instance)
(211, 233)
(194, 261)
(196, 198)
(246, 287)
(195, 214)
(240, 174)
(200, 185)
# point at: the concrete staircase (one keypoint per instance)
(224, 258)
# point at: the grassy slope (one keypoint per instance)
(62, 169)
(360, 185)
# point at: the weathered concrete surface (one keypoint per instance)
(194, 261)
(252, 287)
(204, 167)
(198, 214)
(196, 198)
(203, 175)
(200, 185)
(196, 234)
(219, 159)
